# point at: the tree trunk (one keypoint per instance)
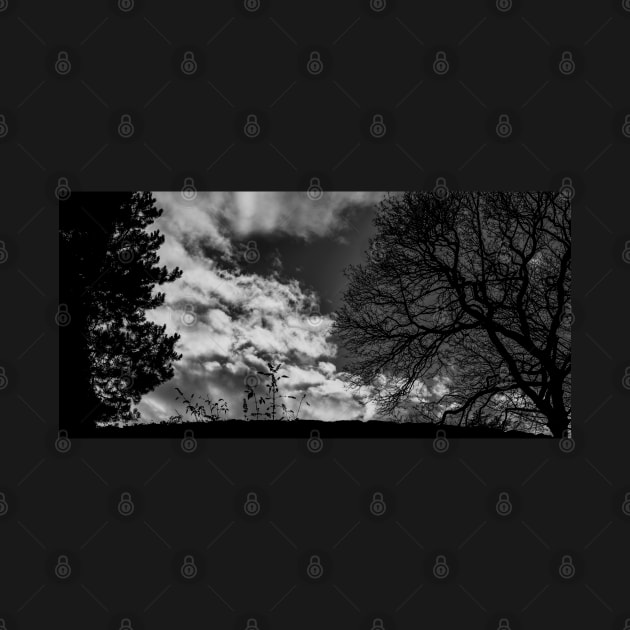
(558, 422)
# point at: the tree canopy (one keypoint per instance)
(110, 353)
(462, 311)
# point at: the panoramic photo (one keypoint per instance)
(351, 314)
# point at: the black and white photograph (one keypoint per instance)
(314, 315)
(353, 314)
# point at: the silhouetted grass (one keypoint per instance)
(265, 407)
(269, 407)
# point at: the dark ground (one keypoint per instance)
(298, 429)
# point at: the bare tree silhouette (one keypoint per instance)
(471, 291)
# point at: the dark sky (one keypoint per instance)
(319, 263)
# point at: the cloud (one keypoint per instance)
(295, 213)
(231, 323)
(217, 216)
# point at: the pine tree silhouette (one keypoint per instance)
(110, 354)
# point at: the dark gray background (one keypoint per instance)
(374, 63)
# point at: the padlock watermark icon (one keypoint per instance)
(504, 255)
(568, 316)
(251, 253)
(315, 570)
(308, 318)
(503, 505)
(125, 380)
(252, 127)
(503, 379)
(314, 444)
(189, 192)
(377, 624)
(378, 507)
(63, 66)
(126, 127)
(251, 507)
(440, 443)
(4, 505)
(126, 5)
(504, 5)
(315, 65)
(126, 505)
(378, 129)
(62, 189)
(377, 252)
(126, 252)
(189, 569)
(440, 189)
(63, 570)
(567, 63)
(4, 254)
(315, 191)
(440, 63)
(188, 316)
(315, 317)
(62, 442)
(188, 65)
(566, 568)
(567, 190)
(378, 6)
(440, 568)
(251, 5)
(252, 380)
(504, 126)
(188, 443)
(566, 443)
(4, 127)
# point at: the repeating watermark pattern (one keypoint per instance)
(252, 95)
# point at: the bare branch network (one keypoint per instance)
(462, 313)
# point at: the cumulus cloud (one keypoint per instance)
(295, 213)
(215, 215)
(231, 322)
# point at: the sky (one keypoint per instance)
(262, 276)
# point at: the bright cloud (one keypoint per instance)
(231, 322)
(213, 215)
